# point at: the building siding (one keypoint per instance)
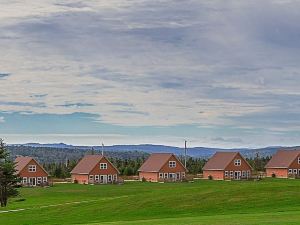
(215, 174)
(149, 176)
(279, 172)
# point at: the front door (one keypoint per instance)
(103, 179)
(32, 181)
(237, 175)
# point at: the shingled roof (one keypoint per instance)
(220, 160)
(88, 163)
(283, 158)
(22, 161)
(155, 162)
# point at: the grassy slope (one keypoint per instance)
(202, 202)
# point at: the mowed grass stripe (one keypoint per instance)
(153, 201)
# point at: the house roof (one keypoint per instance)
(220, 160)
(22, 161)
(283, 158)
(88, 163)
(156, 161)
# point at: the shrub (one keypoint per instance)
(143, 179)
(273, 175)
(210, 177)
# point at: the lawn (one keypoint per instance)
(270, 201)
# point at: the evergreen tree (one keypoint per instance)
(8, 177)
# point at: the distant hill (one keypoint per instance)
(129, 151)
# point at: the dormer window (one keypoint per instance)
(172, 164)
(32, 168)
(103, 166)
(237, 162)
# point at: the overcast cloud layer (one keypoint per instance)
(220, 73)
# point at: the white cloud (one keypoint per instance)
(204, 62)
(2, 120)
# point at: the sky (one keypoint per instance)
(215, 73)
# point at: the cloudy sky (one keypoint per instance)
(217, 73)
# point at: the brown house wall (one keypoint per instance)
(109, 171)
(216, 174)
(39, 171)
(149, 176)
(167, 169)
(280, 173)
(295, 164)
(81, 179)
(244, 165)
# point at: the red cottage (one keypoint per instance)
(31, 172)
(94, 169)
(162, 166)
(227, 165)
(285, 163)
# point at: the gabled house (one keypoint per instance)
(162, 166)
(31, 172)
(284, 163)
(94, 169)
(227, 165)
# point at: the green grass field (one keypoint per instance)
(270, 201)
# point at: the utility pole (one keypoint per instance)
(185, 152)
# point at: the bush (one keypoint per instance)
(75, 181)
(144, 179)
(273, 175)
(210, 177)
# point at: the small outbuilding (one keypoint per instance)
(162, 167)
(94, 169)
(31, 172)
(227, 165)
(284, 164)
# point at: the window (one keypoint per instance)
(96, 177)
(91, 177)
(115, 177)
(161, 175)
(237, 162)
(298, 160)
(24, 180)
(295, 171)
(243, 173)
(172, 164)
(290, 171)
(226, 173)
(45, 179)
(183, 174)
(166, 176)
(32, 168)
(103, 166)
(39, 180)
(231, 173)
(109, 178)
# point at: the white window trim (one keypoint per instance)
(183, 174)
(161, 175)
(295, 171)
(91, 177)
(31, 168)
(238, 162)
(172, 164)
(290, 171)
(24, 180)
(45, 179)
(298, 160)
(226, 173)
(166, 175)
(97, 178)
(103, 166)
